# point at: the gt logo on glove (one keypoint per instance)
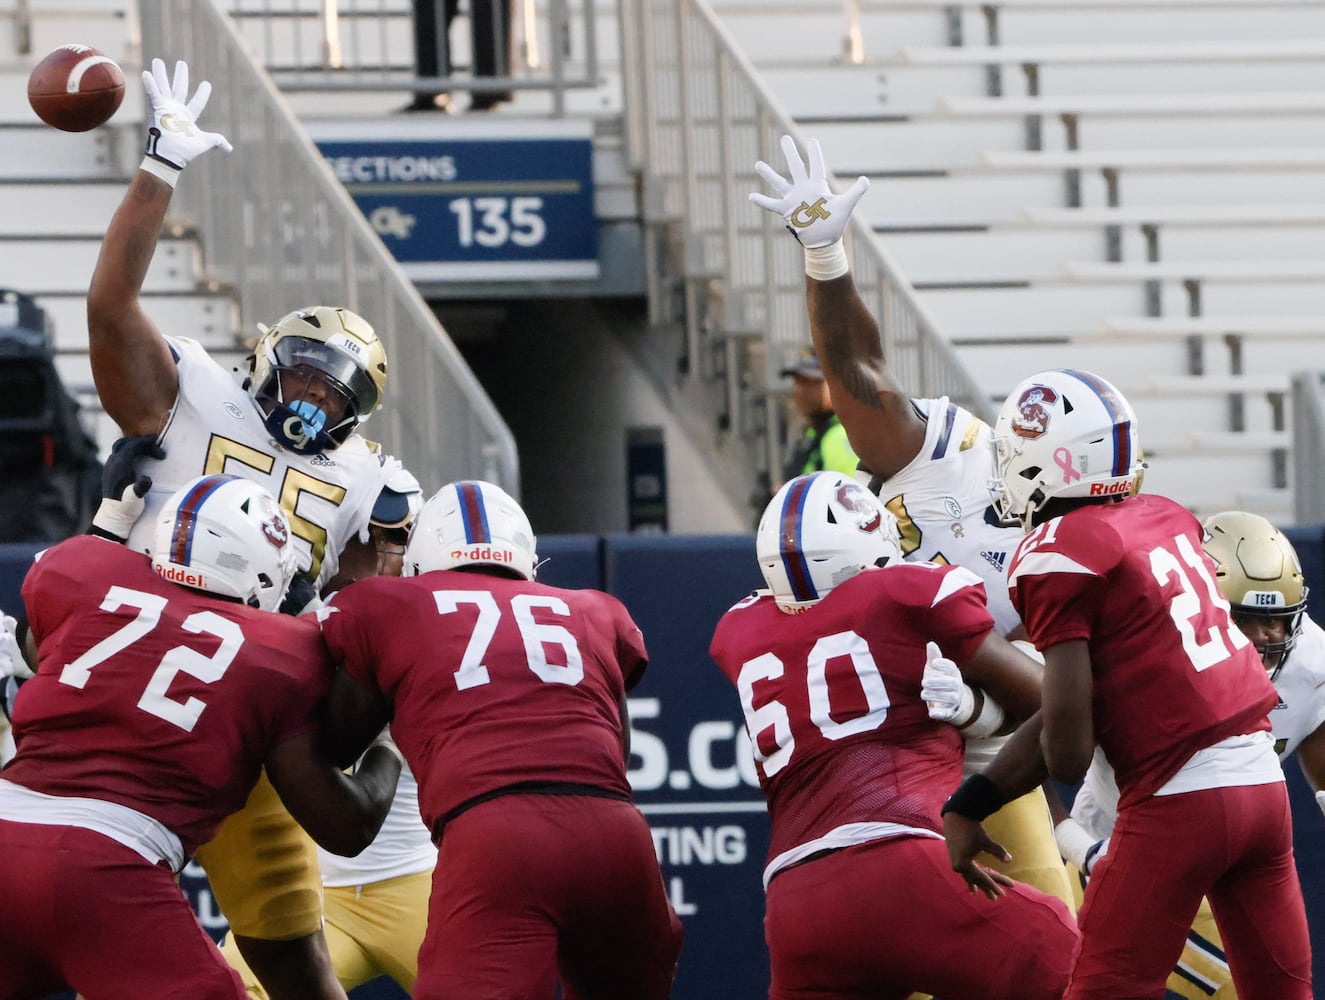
(172, 123)
(814, 215)
(806, 215)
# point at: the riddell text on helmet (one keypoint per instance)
(484, 554)
(1112, 489)
(177, 575)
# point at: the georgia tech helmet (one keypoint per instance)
(471, 523)
(819, 531)
(1062, 433)
(1258, 573)
(226, 536)
(322, 342)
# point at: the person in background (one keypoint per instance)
(1258, 573)
(823, 445)
(928, 460)
(508, 699)
(490, 51)
(1143, 658)
(316, 374)
(830, 666)
(164, 684)
(376, 903)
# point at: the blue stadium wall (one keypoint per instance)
(691, 776)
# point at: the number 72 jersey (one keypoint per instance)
(1172, 674)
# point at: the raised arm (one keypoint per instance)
(875, 410)
(134, 372)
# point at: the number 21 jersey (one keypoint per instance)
(1172, 675)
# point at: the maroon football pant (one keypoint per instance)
(1234, 845)
(81, 911)
(530, 889)
(885, 919)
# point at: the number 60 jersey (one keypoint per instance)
(845, 749)
(216, 426)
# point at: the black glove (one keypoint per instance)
(302, 596)
(123, 487)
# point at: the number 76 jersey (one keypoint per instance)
(1172, 674)
(495, 682)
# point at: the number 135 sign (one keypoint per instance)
(473, 200)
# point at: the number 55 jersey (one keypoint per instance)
(216, 426)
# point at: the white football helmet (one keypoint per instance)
(1259, 574)
(226, 536)
(471, 523)
(333, 344)
(819, 531)
(1062, 434)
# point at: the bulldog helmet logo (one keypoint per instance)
(853, 497)
(1032, 417)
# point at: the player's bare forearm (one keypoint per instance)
(1019, 767)
(134, 372)
(340, 812)
(875, 411)
(846, 338)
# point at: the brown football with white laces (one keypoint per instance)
(75, 88)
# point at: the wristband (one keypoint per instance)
(159, 168)
(1092, 853)
(1074, 842)
(975, 798)
(826, 263)
(986, 717)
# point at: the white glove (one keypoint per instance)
(947, 696)
(814, 215)
(12, 662)
(1076, 845)
(174, 137)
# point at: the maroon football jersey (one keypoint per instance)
(832, 697)
(1172, 674)
(154, 696)
(494, 681)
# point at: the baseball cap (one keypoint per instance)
(807, 366)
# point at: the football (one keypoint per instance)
(75, 88)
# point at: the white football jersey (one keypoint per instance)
(1300, 712)
(943, 504)
(944, 512)
(403, 846)
(1301, 687)
(216, 426)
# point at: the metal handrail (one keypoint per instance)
(698, 117)
(358, 46)
(280, 229)
(1308, 429)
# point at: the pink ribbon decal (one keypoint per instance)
(1063, 459)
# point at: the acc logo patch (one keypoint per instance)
(1032, 419)
(853, 497)
(233, 409)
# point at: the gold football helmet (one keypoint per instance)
(1259, 575)
(319, 373)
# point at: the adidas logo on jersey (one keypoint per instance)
(320, 459)
(996, 559)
